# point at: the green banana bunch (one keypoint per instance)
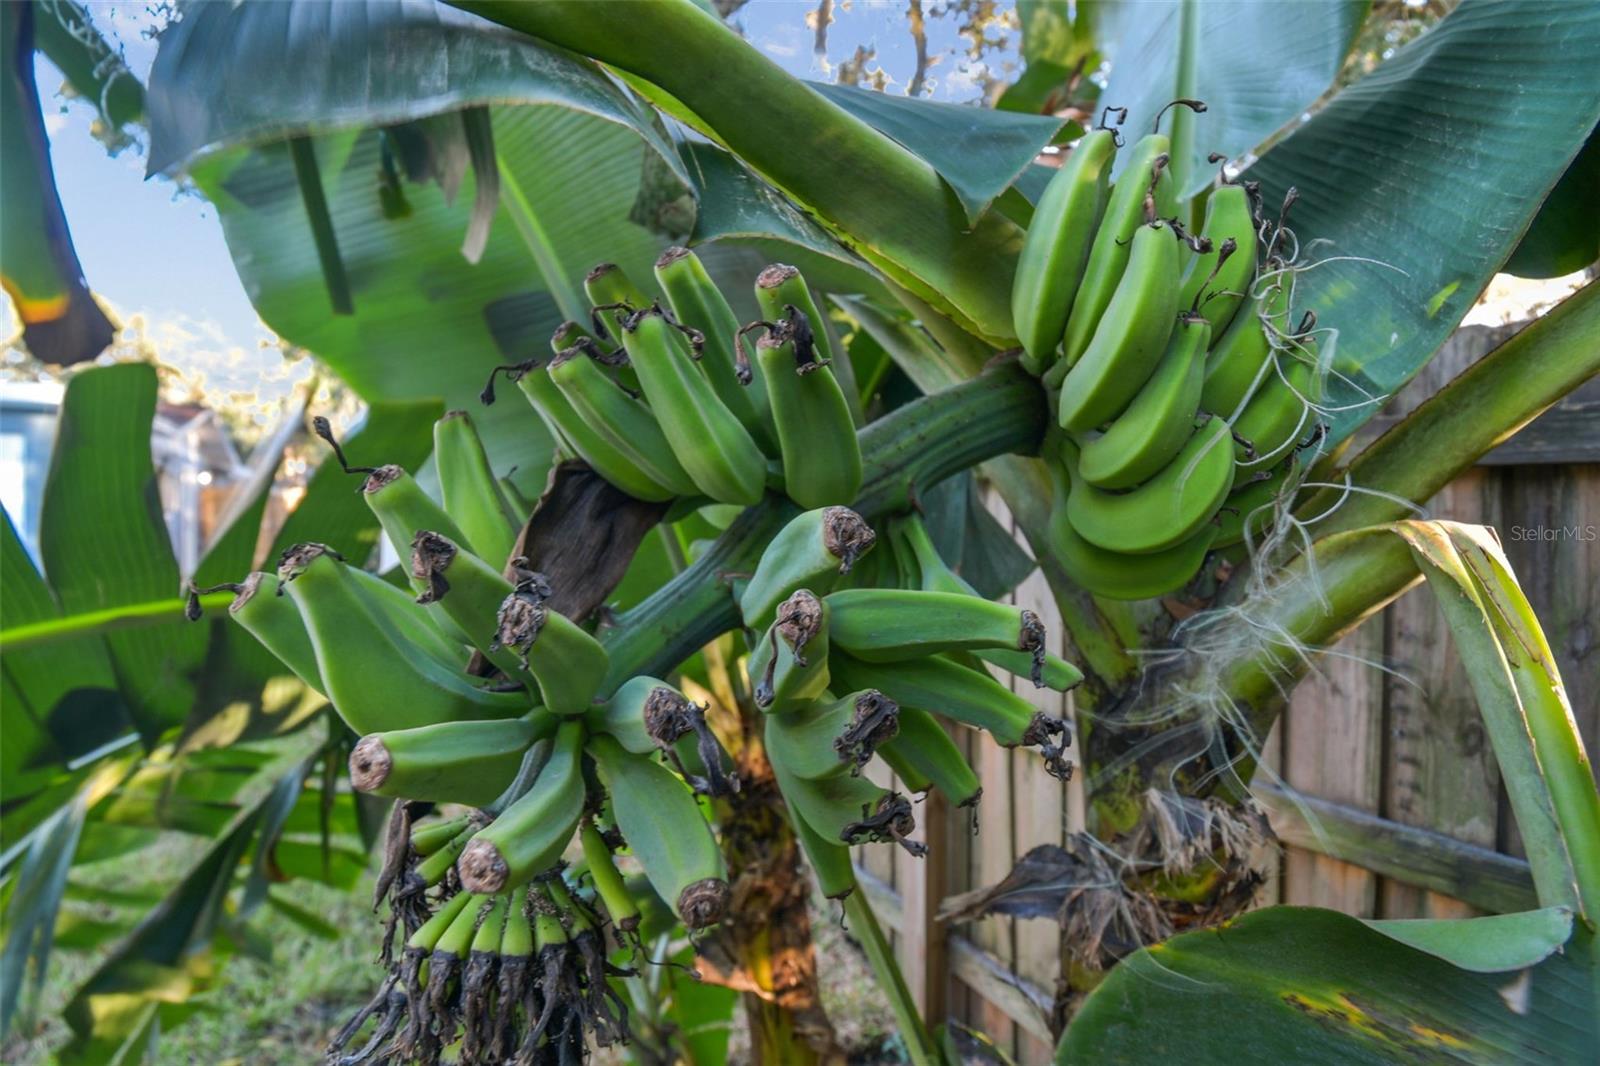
(627, 432)
(705, 435)
(1131, 337)
(448, 762)
(813, 551)
(1159, 421)
(530, 834)
(929, 753)
(1165, 510)
(472, 494)
(698, 303)
(1217, 280)
(1145, 177)
(665, 830)
(926, 569)
(1056, 248)
(376, 675)
(839, 805)
(942, 686)
(789, 665)
(816, 431)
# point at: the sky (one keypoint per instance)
(157, 255)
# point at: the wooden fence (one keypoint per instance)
(1398, 808)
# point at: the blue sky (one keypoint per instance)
(155, 252)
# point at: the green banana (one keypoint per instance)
(402, 508)
(623, 716)
(427, 839)
(934, 574)
(612, 294)
(1145, 174)
(1132, 335)
(1277, 417)
(942, 686)
(840, 806)
(566, 662)
(608, 882)
(276, 623)
(821, 456)
(780, 287)
(1235, 367)
(666, 831)
(1216, 281)
(813, 551)
(423, 628)
(829, 859)
(469, 592)
(624, 423)
(428, 934)
(789, 665)
(448, 762)
(891, 625)
(435, 865)
(1056, 248)
(374, 676)
(825, 736)
(911, 776)
(1158, 422)
(530, 834)
(1251, 502)
(706, 437)
(472, 494)
(697, 302)
(1117, 575)
(924, 746)
(1168, 508)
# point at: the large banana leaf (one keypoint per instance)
(104, 542)
(39, 267)
(1254, 72)
(1431, 168)
(1319, 988)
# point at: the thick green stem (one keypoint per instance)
(888, 204)
(915, 446)
(864, 924)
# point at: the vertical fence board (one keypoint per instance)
(1332, 749)
(1039, 811)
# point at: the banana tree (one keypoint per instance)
(583, 130)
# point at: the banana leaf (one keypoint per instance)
(61, 323)
(1254, 73)
(1419, 180)
(1318, 988)
(104, 542)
